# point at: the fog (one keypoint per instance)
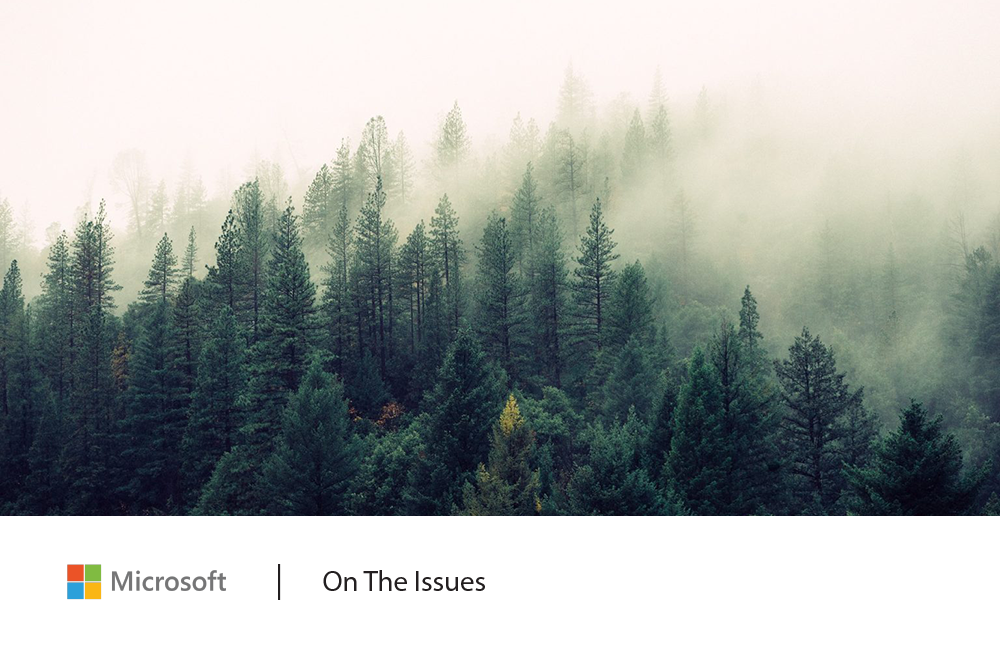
(837, 161)
(899, 90)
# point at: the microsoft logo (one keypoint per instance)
(83, 581)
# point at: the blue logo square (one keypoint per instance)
(74, 590)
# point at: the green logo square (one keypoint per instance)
(92, 572)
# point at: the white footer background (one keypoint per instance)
(550, 583)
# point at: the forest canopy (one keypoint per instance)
(578, 320)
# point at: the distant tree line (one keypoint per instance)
(519, 368)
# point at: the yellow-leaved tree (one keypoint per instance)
(507, 485)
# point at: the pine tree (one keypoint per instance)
(191, 254)
(916, 470)
(547, 298)
(700, 464)
(575, 102)
(660, 136)
(630, 308)
(8, 229)
(611, 482)
(186, 316)
(317, 456)
(816, 398)
(157, 216)
(507, 485)
(151, 435)
(414, 273)
(594, 279)
(683, 231)
(458, 415)
(319, 207)
(448, 255)
(453, 141)
(337, 290)
(403, 168)
(16, 427)
(525, 212)
(288, 326)
(501, 294)
(217, 410)
(224, 278)
(628, 383)
(342, 172)
(746, 419)
(58, 320)
(161, 283)
(634, 156)
(375, 241)
(89, 450)
(251, 256)
(375, 152)
(570, 177)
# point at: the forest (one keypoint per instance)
(618, 314)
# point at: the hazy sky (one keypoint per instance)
(219, 81)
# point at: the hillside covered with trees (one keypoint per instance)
(582, 321)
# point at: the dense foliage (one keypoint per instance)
(518, 361)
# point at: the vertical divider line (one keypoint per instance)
(279, 582)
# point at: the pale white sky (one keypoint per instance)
(222, 80)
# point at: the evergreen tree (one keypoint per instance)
(337, 290)
(501, 294)
(525, 213)
(507, 485)
(161, 283)
(746, 421)
(916, 470)
(453, 141)
(89, 450)
(248, 209)
(375, 242)
(547, 298)
(594, 279)
(414, 273)
(157, 216)
(217, 404)
(288, 327)
(224, 278)
(343, 180)
(816, 399)
(447, 254)
(190, 254)
(151, 435)
(701, 457)
(403, 168)
(58, 322)
(317, 456)
(630, 309)
(319, 207)
(458, 415)
(16, 426)
(611, 482)
(634, 156)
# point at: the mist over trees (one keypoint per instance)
(642, 308)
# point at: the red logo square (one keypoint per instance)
(74, 573)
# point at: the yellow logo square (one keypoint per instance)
(92, 591)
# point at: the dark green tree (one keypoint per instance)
(458, 416)
(594, 279)
(501, 295)
(161, 283)
(611, 482)
(317, 455)
(916, 470)
(815, 399)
